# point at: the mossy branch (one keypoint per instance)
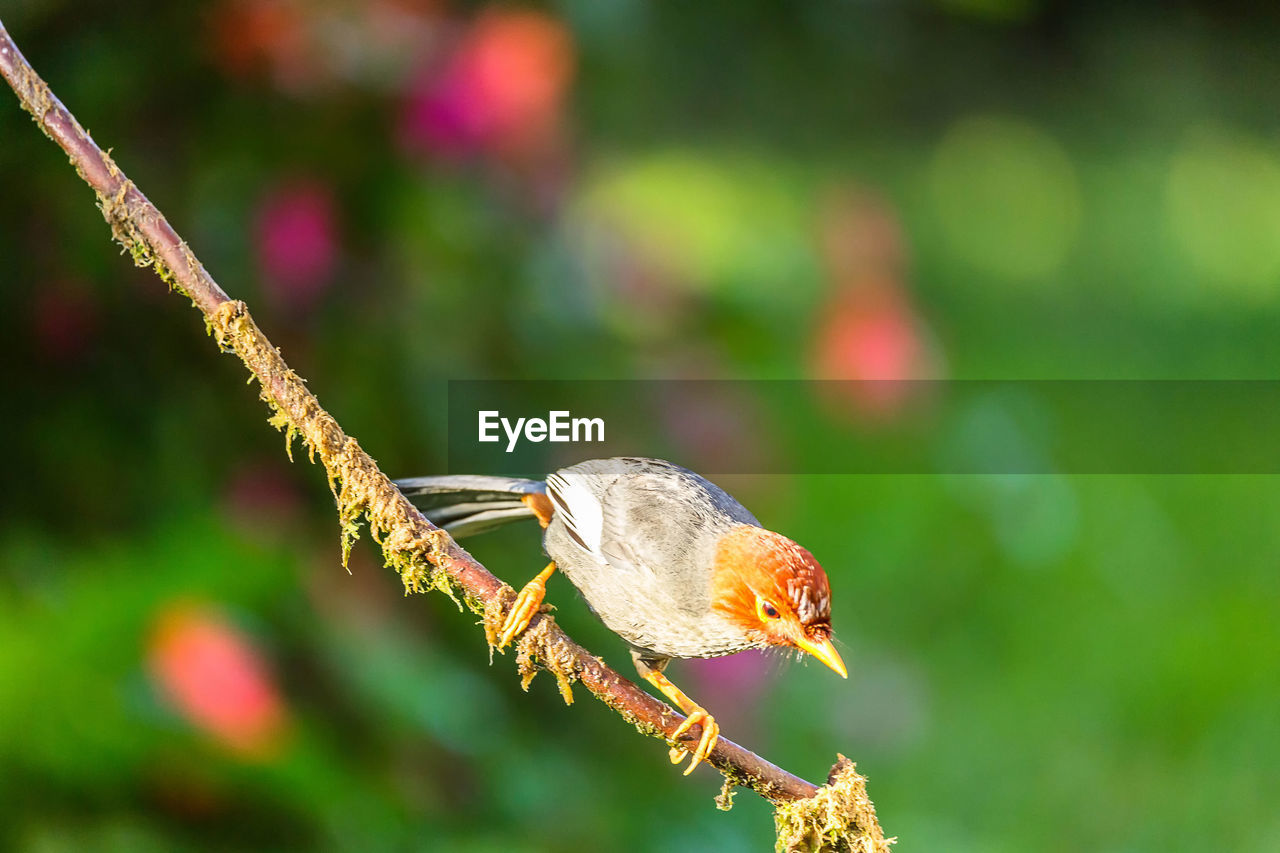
(835, 817)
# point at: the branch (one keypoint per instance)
(837, 815)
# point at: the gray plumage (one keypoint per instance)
(635, 536)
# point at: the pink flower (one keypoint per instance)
(737, 678)
(733, 685)
(215, 677)
(444, 117)
(296, 242)
(868, 330)
(871, 334)
(502, 90)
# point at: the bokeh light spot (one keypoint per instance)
(1224, 209)
(1006, 197)
(702, 222)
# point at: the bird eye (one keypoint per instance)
(766, 610)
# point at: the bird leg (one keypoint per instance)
(541, 507)
(527, 604)
(694, 713)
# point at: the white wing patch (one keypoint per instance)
(579, 509)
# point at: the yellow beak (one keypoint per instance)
(823, 651)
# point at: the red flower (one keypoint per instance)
(215, 677)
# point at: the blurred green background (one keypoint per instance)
(408, 191)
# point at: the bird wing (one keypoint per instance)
(578, 503)
(653, 523)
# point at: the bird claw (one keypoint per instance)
(710, 734)
(527, 604)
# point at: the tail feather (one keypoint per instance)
(466, 505)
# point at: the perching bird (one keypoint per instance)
(666, 559)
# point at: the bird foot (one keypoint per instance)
(710, 734)
(527, 604)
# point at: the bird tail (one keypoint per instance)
(468, 504)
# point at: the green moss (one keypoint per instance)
(724, 800)
(537, 649)
(839, 817)
(281, 422)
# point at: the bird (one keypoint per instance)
(665, 558)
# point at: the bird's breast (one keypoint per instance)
(662, 609)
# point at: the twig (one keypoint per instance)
(425, 556)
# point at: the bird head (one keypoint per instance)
(775, 591)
